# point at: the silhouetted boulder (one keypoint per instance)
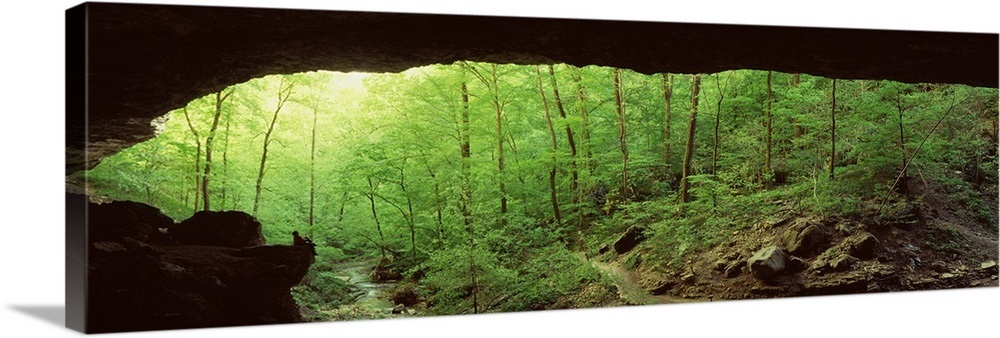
(174, 287)
(139, 285)
(121, 219)
(632, 237)
(235, 229)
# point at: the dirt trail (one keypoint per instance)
(629, 287)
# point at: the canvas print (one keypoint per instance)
(239, 166)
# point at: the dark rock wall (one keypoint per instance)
(134, 284)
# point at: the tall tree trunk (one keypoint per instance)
(439, 220)
(283, 94)
(622, 132)
(219, 99)
(570, 140)
(225, 161)
(833, 127)
(494, 88)
(718, 114)
(587, 160)
(378, 225)
(466, 199)
(668, 92)
(581, 96)
(552, 135)
(472, 268)
(312, 175)
(197, 159)
(409, 207)
(767, 137)
(689, 149)
(797, 129)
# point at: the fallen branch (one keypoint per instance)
(915, 152)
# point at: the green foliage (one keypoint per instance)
(322, 290)
(387, 147)
(449, 280)
(553, 272)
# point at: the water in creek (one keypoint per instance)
(358, 274)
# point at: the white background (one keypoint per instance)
(31, 188)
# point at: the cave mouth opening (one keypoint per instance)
(442, 165)
(320, 150)
(401, 178)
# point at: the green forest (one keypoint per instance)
(478, 187)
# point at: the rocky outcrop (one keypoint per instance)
(632, 237)
(125, 219)
(767, 263)
(137, 285)
(863, 246)
(804, 238)
(906, 219)
(405, 294)
(833, 260)
(235, 229)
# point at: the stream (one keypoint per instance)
(358, 274)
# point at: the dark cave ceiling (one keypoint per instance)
(145, 60)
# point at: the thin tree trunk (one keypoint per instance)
(570, 140)
(439, 224)
(500, 136)
(622, 132)
(833, 127)
(584, 127)
(587, 161)
(312, 175)
(378, 225)
(225, 161)
(767, 141)
(472, 269)
(267, 141)
(205, 179)
(466, 198)
(668, 92)
(797, 129)
(552, 135)
(718, 114)
(409, 207)
(466, 154)
(197, 159)
(689, 150)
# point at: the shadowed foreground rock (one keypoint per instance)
(133, 285)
